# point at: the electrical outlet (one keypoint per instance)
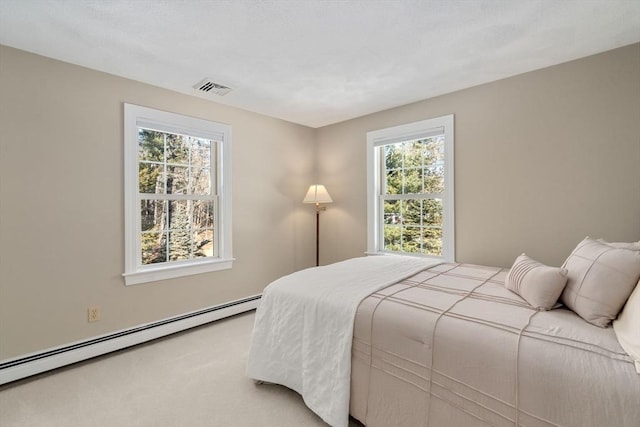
(93, 313)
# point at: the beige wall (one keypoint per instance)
(61, 204)
(542, 160)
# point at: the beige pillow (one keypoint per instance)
(600, 278)
(537, 283)
(627, 327)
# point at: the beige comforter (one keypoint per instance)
(451, 346)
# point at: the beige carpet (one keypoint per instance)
(194, 378)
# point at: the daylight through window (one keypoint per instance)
(411, 189)
(413, 182)
(177, 210)
(177, 201)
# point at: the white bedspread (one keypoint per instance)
(304, 328)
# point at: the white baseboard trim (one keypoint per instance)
(35, 363)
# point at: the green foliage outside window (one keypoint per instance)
(180, 166)
(413, 183)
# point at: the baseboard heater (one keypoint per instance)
(35, 363)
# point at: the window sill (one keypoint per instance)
(155, 273)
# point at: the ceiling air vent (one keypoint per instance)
(209, 87)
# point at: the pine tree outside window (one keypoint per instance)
(177, 191)
(410, 194)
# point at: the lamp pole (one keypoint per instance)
(317, 235)
(318, 209)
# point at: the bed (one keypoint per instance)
(438, 345)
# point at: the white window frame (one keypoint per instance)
(408, 132)
(136, 116)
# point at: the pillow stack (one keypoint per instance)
(600, 278)
(595, 282)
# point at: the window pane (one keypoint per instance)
(411, 239)
(432, 241)
(179, 245)
(203, 214)
(392, 238)
(150, 145)
(190, 230)
(150, 178)
(179, 215)
(434, 179)
(203, 244)
(152, 215)
(413, 226)
(415, 167)
(412, 181)
(412, 154)
(200, 152)
(177, 179)
(393, 156)
(153, 247)
(191, 233)
(433, 212)
(200, 181)
(393, 184)
(177, 149)
(392, 214)
(433, 149)
(412, 212)
(419, 170)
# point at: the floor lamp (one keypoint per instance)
(317, 194)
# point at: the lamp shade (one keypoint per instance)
(317, 194)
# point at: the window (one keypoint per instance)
(410, 189)
(177, 195)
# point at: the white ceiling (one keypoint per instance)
(318, 62)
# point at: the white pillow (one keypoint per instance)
(627, 327)
(632, 246)
(600, 278)
(538, 284)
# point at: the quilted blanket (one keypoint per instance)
(304, 328)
